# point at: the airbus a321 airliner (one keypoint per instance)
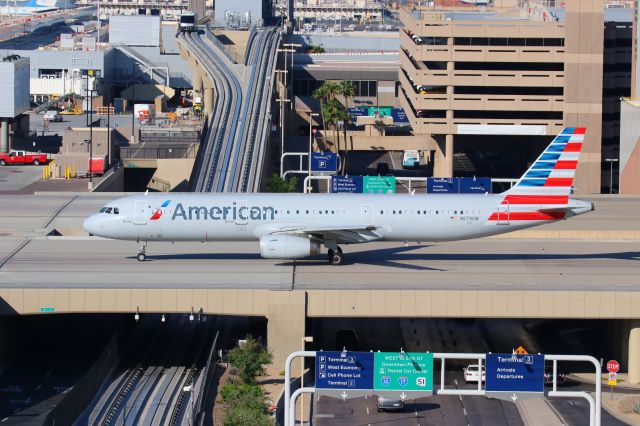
(294, 226)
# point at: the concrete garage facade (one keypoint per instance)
(507, 71)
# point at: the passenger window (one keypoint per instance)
(418, 211)
(333, 212)
(461, 212)
(437, 212)
(288, 212)
(297, 211)
(102, 210)
(399, 211)
(394, 212)
(307, 211)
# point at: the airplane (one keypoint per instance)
(30, 7)
(295, 226)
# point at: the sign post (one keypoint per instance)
(613, 367)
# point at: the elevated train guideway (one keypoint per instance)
(584, 268)
(236, 99)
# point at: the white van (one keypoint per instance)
(52, 116)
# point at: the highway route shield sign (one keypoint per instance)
(403, 374)
(613, 379)
(344, 374)
(513, 376)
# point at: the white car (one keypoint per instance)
(52, 116)
(471, 373)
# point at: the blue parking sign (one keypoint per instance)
(348, 374)
(324, 162)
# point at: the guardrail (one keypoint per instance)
(229, 53)
(157, 153)
(209, 386)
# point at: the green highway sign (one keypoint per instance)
(379, 184)
(47, 309)
(403, 374)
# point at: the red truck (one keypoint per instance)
(23, 157)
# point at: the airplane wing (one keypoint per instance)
(342, 234)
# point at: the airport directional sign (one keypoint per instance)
(403, 374)
(379, 184)
(344, 374)
(514, 376)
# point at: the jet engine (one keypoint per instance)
(287, 247)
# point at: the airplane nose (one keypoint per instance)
(91, 225)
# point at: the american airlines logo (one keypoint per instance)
(232, 212)
(158, 213)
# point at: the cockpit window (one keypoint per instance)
(109, 210)
(116, 210)
(102, 210)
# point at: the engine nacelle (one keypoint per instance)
(287, 247)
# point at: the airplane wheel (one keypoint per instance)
(330, 254)
(337, 258)
(142, 257)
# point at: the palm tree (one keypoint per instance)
(326, 92)
(348, 90)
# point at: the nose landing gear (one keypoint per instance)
(142, 247)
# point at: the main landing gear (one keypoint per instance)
(335, 256)
(142, 247)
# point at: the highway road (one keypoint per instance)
(17, 27)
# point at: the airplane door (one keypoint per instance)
(140, 212)
(242, 214)
(367, 214)
(503, 214)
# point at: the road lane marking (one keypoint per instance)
(367, 410)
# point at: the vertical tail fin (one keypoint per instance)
(550, 177)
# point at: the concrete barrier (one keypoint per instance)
(81, 395)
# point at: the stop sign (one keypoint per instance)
(613, 366)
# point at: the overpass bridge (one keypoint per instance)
(584, 268)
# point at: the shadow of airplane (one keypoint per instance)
(401, 257)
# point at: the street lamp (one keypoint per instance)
(305, 339)
(611, 161)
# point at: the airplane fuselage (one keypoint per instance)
(246, 217)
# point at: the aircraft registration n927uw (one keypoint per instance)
(294, 226)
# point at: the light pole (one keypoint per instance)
(611, 161)
(311, 129)
(89, 113)
(306, 339)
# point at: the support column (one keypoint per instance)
(196, 79)
(448, 156)
(443, 166)
(634, 355)
(207, 100)
(286, 316)
(4, 135)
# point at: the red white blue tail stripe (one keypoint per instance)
(542, 193)
(550, 178)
